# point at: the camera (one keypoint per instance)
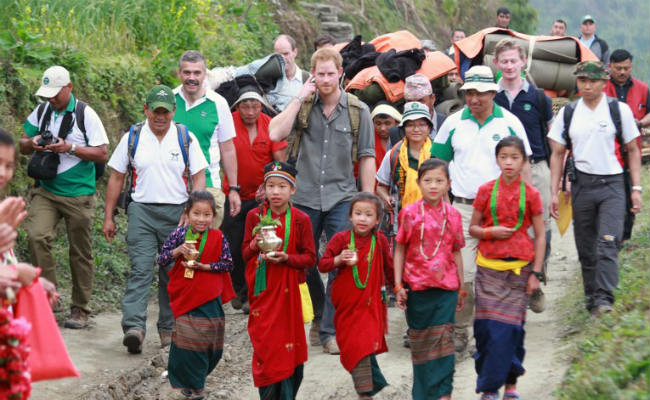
(570, 169)
(46, 138)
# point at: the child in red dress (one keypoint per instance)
(362, 258)
(275, 322)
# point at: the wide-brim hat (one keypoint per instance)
(415, 110)
(480, 78)
(54, 79)
(251, 95)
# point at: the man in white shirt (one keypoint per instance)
(598, 189)
(156, 157)
(289, 86)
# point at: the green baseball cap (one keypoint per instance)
(161, 96)
(591, 70)
(587, 18)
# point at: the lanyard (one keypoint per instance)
(355, 269)
(522, 203)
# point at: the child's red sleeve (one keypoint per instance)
(305, 256)
(251, 220)
(333, 249)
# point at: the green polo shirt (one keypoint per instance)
(202, 120)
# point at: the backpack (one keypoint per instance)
(302, 121)
(615, 114)
(184, 141)
(80, 117)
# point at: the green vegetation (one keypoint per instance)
(115, 51)
(611, 354)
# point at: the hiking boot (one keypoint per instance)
(537, 301)
(78, 319)
(314, 337)
(165, 338)
(246, 308)
(133, 339)
(601, 309)
(330, 347)
(407, 341)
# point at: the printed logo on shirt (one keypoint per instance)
(174, 156)
(496, 137)
(204, 114)
(527, 107)
(602, 125)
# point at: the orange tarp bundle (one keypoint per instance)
(400, 40)
(435, 65)
(472, 46)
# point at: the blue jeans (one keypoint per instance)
(332, 221)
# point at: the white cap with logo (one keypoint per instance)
(54, 78)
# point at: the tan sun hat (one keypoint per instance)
(480, 78)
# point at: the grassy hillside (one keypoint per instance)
(115, 51)
(610, 356)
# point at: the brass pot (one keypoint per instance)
(270, 241)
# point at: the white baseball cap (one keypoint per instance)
(54, 78)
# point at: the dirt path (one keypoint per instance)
(105, 365)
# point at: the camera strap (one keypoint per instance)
(66, 125)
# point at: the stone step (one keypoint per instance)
(340, 31)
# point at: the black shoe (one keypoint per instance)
(236, 303)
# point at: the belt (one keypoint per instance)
(463, 200)
(535, 160)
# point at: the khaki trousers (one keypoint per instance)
(219, 199)
(45, 211)
(464, 317)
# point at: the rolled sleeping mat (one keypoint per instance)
(452, 91)
(546, 74)
(272, 69)
(449, 107)
(560, 50)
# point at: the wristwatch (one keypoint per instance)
(235, 188)
(72, 149)
(638, 188)
(539, 275)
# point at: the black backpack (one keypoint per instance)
(79, 115)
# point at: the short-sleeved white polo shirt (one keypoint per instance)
(593, 136)
(469, 147)
(159, 165)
